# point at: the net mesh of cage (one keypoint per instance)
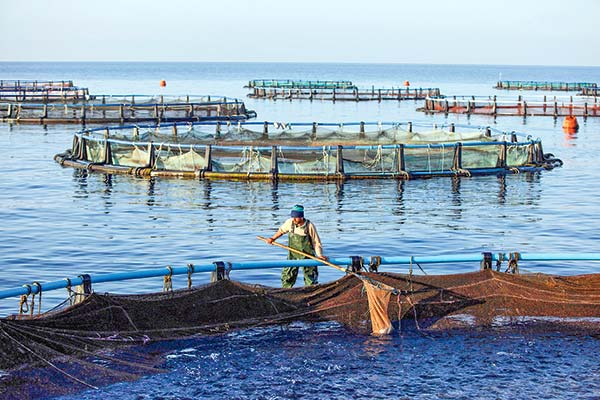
(281, 133)
(78, 105)
(237, 149)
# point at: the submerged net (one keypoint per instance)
(480, 299)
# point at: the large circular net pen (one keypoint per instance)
(305, 151)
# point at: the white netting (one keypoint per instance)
(517, 155)
(174, 158)
(126, 156)
(249, 161)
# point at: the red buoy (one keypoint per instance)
(570, 124)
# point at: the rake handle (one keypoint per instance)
(362, 278)
(302, 253)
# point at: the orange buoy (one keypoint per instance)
(570, 124)
(406, 83)
(163, 83)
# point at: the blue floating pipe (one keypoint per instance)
(343, 262)
(151, 273)
(560, 257)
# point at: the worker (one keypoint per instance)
(303, 236)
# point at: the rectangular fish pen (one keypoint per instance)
(535, 85)
(533, 106)
(348, 94)
(44, 95)
(20, 84)
(126, 109)
(298, 84)
(40, 91)
(304, 154)
(592, 91)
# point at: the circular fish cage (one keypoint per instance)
(122, 109)
(304, 151)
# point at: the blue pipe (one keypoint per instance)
(476, 257)
(561, 257)
(343, 262)
(150, 273)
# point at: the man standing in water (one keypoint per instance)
(303, 236)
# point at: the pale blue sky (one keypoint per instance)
(517, 32)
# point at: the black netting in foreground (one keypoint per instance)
(101, 340)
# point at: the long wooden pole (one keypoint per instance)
(305, 254)
(362, 278)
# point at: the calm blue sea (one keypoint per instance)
(58, 222)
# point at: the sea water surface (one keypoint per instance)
(58, 222)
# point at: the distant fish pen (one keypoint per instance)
(288, 89)
(124, 109)
(304, 151)
(592, 91)
(535, 85)
(299, 84)
(40, 91)
(348, 94)
(488, 105)
(45, 95)
(18, 84)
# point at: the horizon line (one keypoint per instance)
(295, 62)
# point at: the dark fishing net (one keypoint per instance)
(110, 337)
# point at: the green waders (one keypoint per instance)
(289, 274)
